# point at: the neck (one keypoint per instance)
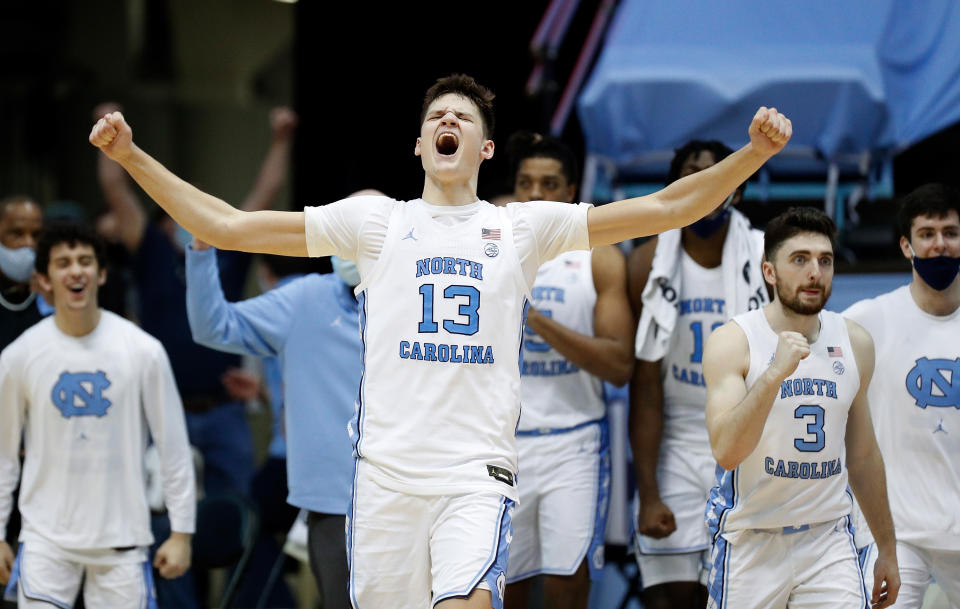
(79, 322)
(708, 252)
(436, 192)
(935, 302)
(782, 319)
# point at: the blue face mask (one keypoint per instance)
(706, 227)
(17, 264)
(937, 271)
(347, 270)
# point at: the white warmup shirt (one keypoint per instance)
(915, 406)
(85, 405)
(797, 474)
(556, 393)
(701, 309)
(442, 296)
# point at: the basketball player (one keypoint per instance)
(788, 419)
(915, 396)
(579, 332)
(439, 398)
(684, 284)
(86, 387)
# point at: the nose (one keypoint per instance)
(939, 244)
(536, 192)
(815, 271)
(449, 120)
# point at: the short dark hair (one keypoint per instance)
(465, 86)
(719, 150)
(70, 233)
(928, 200)
(7, 202)
(524, 145)
(794, 221)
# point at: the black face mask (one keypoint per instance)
(938, 271)
(705, 227)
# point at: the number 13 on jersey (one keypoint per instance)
(468, 322)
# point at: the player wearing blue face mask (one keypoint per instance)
(20, 222)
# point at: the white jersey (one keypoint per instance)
(701, 309)
(556, 393)
(442, 294)
(796, 475)
(915, 405)
(85, 405)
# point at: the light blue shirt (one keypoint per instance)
(311, 325)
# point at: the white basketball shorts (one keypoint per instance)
(919, 567)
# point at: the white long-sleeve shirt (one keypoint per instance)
(85, 406)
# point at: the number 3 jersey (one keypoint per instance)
(797, 473)
(85, 405)
(443, 292)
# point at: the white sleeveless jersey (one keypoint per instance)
(441, 317)
(701, 309)
(555, 392)
(797, 474)
(86, 405)
(915, 405)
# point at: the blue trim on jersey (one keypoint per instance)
(494, 569)
(723, 496)
(150, 592)
(357, 421)
(10, 592)
(523, 324)
(351, 519)
(666, 551)
(595, 556)
(551, 431)
(848, 529)
(720, 572)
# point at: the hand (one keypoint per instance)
(240, 384)
(6, 562)
(656, 520)
(173, 556)
(886, 581)
(113, 136)
(769, 131)
(283, 121)
(198, 245)
(105, 108)
(791, 348)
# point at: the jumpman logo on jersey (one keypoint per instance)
(336, 323)
(410, 235)
(940, 427)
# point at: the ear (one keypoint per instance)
(905, 248)
(572, 193)
(769, 273)
(416, 149)
(44, 282)
(486, 151)
(102, 277)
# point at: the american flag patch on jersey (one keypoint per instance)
(834, 351)
(490, 233)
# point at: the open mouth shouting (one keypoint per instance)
(447, 143)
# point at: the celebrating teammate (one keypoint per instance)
(684, 284)
(85, 387)
(439, 398)
(789, 426)
(915, 396)
(579, 332)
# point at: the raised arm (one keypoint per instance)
(693, 197)
(207, 217)
(276, 164)
(867, 476)
(735, 416)
(607, 354)
(125, 206)
(258, 326)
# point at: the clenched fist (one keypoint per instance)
(113, 136)
(791, 348)
(769, 131)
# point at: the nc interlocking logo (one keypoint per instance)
(80, 394)
(935, 382)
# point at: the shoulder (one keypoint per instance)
(727, 348)
(536, 210)
(361, 205)
(23, 344)
(135, 335)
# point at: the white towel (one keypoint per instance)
(743, 284)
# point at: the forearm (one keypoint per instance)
(869, 484)
(646, 433)
(602, 357)
(207, 307)
(735, 433)
(205, 216)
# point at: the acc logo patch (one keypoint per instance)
(80, 394)
(501, 585)
(491, 250)
(598, 557)
(935, 382)
(838, 367)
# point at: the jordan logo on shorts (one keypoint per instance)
(501, 474)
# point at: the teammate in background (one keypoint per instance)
(790, 426)
(683, 285)
(579, 332)
(86, 387)
(439, 397)
(915, 395)
(20, 222)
